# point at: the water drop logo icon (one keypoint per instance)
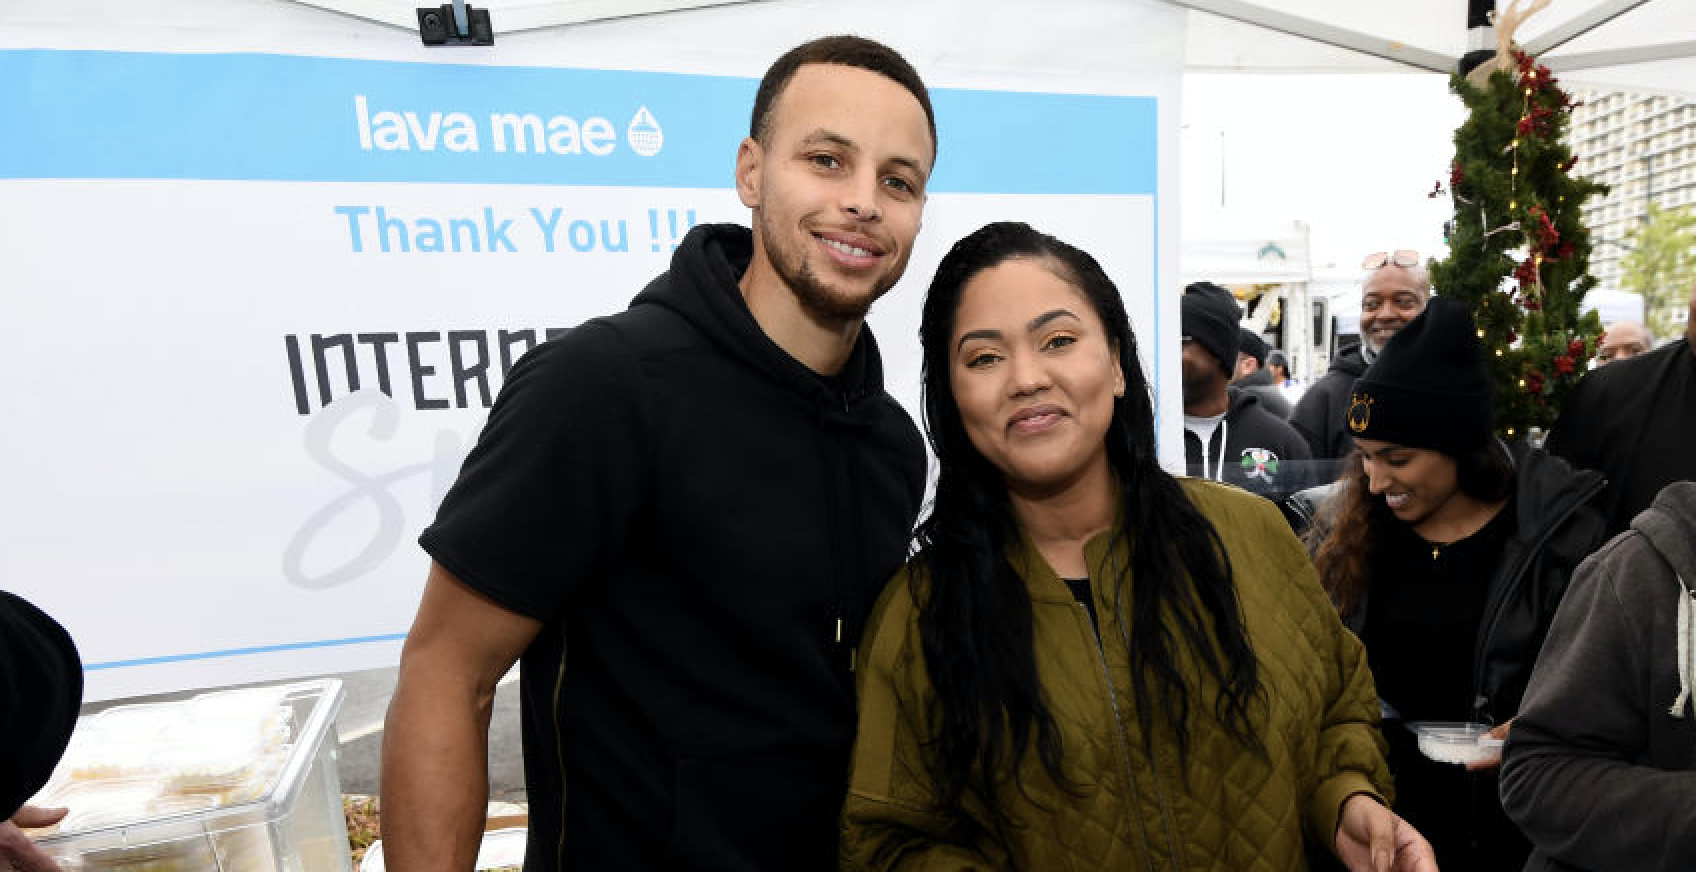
(644, 133)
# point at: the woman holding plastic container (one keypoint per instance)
(1090, 664)
(1448, 552)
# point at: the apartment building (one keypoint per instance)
(1644, 146)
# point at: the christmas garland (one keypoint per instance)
(1519, 253)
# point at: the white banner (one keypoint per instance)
(256, 302)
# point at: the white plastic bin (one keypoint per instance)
(229, 781)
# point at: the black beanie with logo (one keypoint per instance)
(1429, 387)
(1209, 314)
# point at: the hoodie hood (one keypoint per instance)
(702, 286)
(1259, 378)
(1351, 362)
(1240, 400)
(1670, 526)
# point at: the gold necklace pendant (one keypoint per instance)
(1436, 550)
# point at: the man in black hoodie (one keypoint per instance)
(1253, 377)
(680, 515)
(1394, 292)
(1228, 435)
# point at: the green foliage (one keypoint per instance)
(1519, 254)
(1662, 265)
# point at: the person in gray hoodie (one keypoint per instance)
(1600, 765)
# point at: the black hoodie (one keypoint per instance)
(1271, 394)
(1632, 420)
(1318, 415)
(1252, 449)
(701, 522)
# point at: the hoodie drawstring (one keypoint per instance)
(1224, 440)
(1686, 648)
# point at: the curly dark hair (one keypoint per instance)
(1346, 543)
(975, 614)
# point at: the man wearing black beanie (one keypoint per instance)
(1253, 376)
(40, 695)
(1228, 435)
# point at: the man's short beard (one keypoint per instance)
(1200, 390)
(817, 300)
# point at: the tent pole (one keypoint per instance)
(1252, 12)
(1480, 34)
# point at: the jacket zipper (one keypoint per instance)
(1165, 812)
(1119, 733)
(1496, 604)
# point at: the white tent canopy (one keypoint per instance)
(1634, 45)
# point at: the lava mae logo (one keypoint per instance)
(502, 132)
(1360, 412)
(644, 134)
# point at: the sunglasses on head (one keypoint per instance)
(1401, 257)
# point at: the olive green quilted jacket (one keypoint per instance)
(1129, 809)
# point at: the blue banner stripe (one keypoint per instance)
(1022, 143)
(88, 115)
(242, 652)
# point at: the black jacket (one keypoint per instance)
(1632, 420)
(1252, 449)
(1318, 415)
(1557, 526)
(1271, 396)
(701, 523)
(1600, 766)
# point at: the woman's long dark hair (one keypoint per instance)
(975, 614)
(1353, 525)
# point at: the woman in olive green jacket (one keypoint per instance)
(1090, 665)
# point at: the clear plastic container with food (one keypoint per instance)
(1454, 742)
(211, 784)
